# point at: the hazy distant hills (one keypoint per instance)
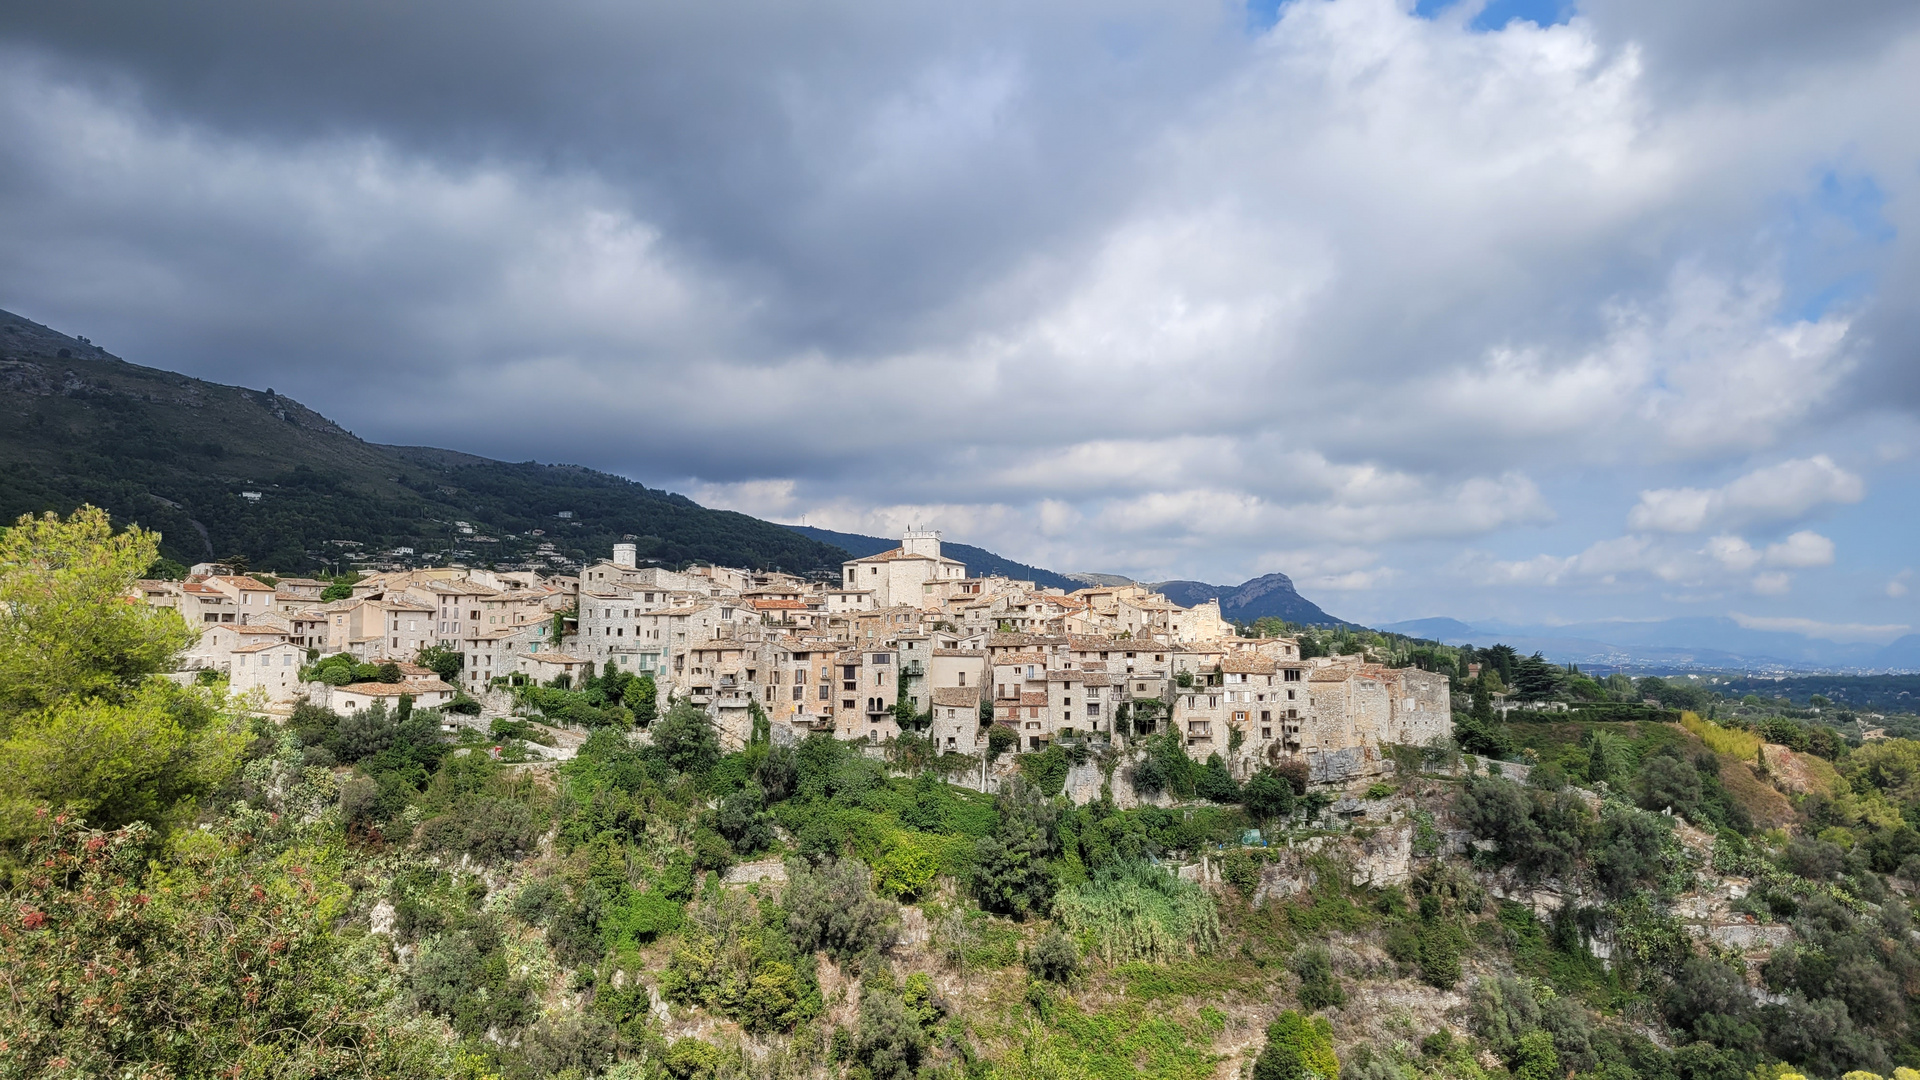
(1719, 643)
(177, 454)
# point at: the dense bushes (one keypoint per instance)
(736, 960)
(224, 962)
(831, 908)
(1140, 912)
(1298, 1048)
(1013, 872)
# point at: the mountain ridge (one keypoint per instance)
(225, 470)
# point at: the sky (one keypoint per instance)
(1533, 310)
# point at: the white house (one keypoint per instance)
(358, 697)
(899, 576)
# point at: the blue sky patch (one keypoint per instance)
(1498, 13)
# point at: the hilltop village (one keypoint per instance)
(903, 634)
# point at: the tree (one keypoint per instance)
(1537, 680)
(832, 908)
(1268, 795)
(67, 629)
(889, 1040)
(1000, 739)
(1013, 869)
(686, 739)
(84, 726)
(445, 662)
(1478, 732)
(1054, 958)
(642, 697)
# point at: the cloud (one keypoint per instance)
(1897, 586)
(1782, 492)
(1641, 559)
(1842, 632)
(1801, 550)
(1104, 286)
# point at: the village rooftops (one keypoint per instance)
(1020, 658)
(901, 553)
(968, 653)
(262, 646)
(397, 689)
(244, 584)
(1091, 678)
(957, 696)
(554, 658)
(1242, 664)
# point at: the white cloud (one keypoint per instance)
(1898, 586)
(1801, 550)
(1780, 492)
(1831, 631)
(1646, 559)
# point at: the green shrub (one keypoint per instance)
(1268, 794)
(1140, 912)
(831, 908)
(889, 1041)
(686, 740)
(1054, 958)
(1297, 1048)
(907, 869)
(1318, 988)
(728, 961)
(1046, 770)
(1000, 739)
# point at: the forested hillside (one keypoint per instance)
(175, 454)
(193, 891)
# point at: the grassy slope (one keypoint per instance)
(173, 453)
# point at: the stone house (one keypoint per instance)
(898, 577)
(359, 697)
(271, 667)
(248, 597)
(956, 719)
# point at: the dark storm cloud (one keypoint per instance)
(1125, 285)
(860, 164)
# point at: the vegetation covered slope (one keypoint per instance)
(174, 453)
(194, 892)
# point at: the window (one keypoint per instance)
(963, 678)
(1266, 733)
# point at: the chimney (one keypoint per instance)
(626, 556)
